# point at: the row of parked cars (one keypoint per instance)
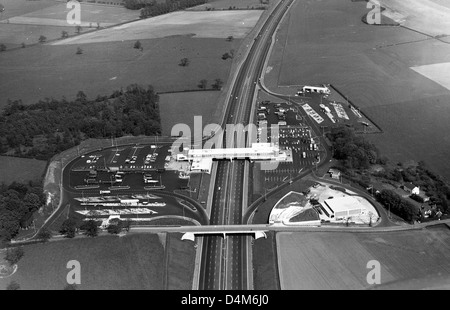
(150, 158)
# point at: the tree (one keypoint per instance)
(68, 228)
(90, 228)
(13, 255)
(79, 51)
(227, 55)
(203, 83)
(115, 228)
(64, 34)
(138, 45)
(44, 234)
(127, 225)
(184, 62)
(13, 286)
(217, 84)
(42, 39)
(2, 47)
(32, 201)
(81, 96)
(78, 29)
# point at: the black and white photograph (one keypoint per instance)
(233, 152)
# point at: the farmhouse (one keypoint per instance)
(344, 207)
(411, 188)
(334, 173)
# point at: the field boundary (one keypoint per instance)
(187, 91)
(359, 109)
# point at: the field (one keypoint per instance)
(19, 7)
(326, 42)
(13, 35)
(175, 107)
(265, 275)
(323, 260)
(56, 71)
(225, 4)
(438, 73)
(415, 13)
(212, 24)
(57, 15)
(131, 262)
(21, 169)
(25, 21)
(181, 263)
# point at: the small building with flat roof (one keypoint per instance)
(202, 165)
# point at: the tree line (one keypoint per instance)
(353, 151)
(428, 181)
(18, 202)
(71, 226)
(357, 154)
(397, 205)
(153, 8)
(51, 126)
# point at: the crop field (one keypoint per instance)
(25, 21)
(51, 10)
(19, 7)
(180, 108)
(56, 71)
(21, 169)
(413, 12)
(131, 262)
(211, 24)
(438, 73)
(13, 35)
(90, 14)
(180, 263)
(323, 260)
(265, 275)
(326, 42)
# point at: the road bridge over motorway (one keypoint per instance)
(252, 228)
(256, 234)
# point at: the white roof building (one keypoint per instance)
(258, 151)
(344, 207)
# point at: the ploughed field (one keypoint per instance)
(141, 261)
(321, 260)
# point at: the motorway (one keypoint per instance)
(224, 261)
